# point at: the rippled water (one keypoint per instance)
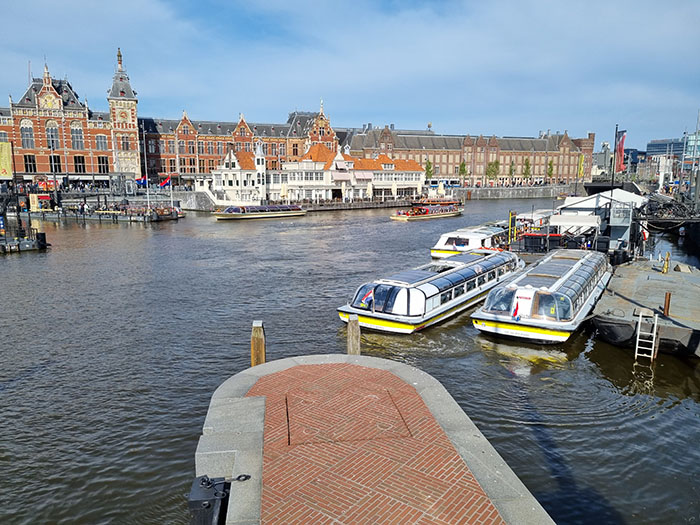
(113, 342)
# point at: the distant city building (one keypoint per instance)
(515, 160)
(319, 175)
(672, 147)
(55, 134)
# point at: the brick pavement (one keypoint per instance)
(347, 444)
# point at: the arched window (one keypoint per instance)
(76, 135)
(26, 130)
(53, 140)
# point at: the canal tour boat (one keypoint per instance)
(419, 213)
(414, 299)
(272, 211)
(466, 239)
(549, 301)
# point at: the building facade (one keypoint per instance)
(319, 175)
(483, 160)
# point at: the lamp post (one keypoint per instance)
(53, 172)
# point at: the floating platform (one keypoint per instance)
(354, 440)
(19, 245)
(640, 286)
(98, 216)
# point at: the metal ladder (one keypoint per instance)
(646, 341)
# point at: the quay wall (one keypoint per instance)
(518, 192)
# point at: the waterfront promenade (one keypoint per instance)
(354, 439)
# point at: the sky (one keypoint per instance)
(499, 67)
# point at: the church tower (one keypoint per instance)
(125, 132)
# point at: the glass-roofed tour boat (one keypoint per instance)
(549, 301)
(469, 238)
(270, 211)
(415, 299)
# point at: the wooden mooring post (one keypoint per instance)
(353, 335)
(667, 304)
(257, 344)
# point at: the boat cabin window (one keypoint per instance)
(544, 306)
(500, 300)
(471, 285)
(432, 303)
(445, 297)
(481, 280)
(364, 298)
(501, 270)
(381, 298)
(459, 290)
(563, 307)
(492, 275)
(457, 241)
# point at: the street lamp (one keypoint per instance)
(53, 171)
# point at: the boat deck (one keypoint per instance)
(640, 286)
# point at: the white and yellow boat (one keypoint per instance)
(414, 299)
(272, 211)
(470, 238)
(549, 301)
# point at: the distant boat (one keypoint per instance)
(419, 213)
(272, 211)
(467, 239)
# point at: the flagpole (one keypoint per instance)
(614, 166)
(145, 166)
(172, 207)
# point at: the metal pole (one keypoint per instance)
(694, 166)
(614, 164)
(145, 167)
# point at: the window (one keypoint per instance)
(171, 146)
(76, 135)
(219, 148)
(192, 165)
(151, 146)
(79, 164)
(3, 136)
(247, 146)
(201, 165)
(55, 162)
(52, 138)
(200, 147)
(295, 149)
(446, 296)
(101, 142)
(283, 149)
(492, 275)
(161, 146)
(30, 164)
(190, 147)
(172, 165)
(500, 300)
(103, 164)
(185, 130)
(210, 148)
(481, 280)
(125, 143)
(212, 165)
(181, 146)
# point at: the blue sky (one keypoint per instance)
(509, 68)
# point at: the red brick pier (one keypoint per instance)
(347, 442)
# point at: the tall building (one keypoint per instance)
(673, 147)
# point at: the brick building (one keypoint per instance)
(551, 157)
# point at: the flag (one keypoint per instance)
(369, 295)
(580, 166)
(165, 183)
(142, 181)
(515, 312)
(6, 160)
(620, 151)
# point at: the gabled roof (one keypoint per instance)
(121, 87)
(62, 87)
(320, 153)
(246, 160)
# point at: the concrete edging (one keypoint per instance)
(232, 439)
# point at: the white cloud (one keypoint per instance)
(502, 67)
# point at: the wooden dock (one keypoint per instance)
(349, 439)
(640, 286)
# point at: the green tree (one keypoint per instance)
(511, 170)
(550, 168)
(527, 170)
(492, 169)
(428, 169)
(462, 171)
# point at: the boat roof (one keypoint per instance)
(550, 270)
(475, 231)
(450, 271)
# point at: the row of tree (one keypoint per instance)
(493, 169)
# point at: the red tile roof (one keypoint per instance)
(246, 160)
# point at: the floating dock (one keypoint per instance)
(349, 439)
(98, 216)
(640, 286)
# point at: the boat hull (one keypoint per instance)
(222, 216)
(522, 331)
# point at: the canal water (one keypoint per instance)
(113, 341)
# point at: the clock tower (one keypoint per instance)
(125, 131)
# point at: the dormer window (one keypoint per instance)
(185, 130)
(242, 132)
(122, 93)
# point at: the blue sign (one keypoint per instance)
(2, 225)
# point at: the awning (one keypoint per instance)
(341, 176)
(583, 221)
(44, 197)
